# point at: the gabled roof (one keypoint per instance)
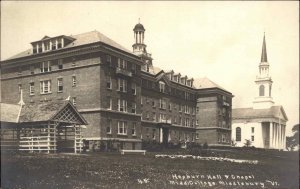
(81, 39)
(46, 37)
(41, 112)
(250, 113)
(205, 83)
(9, 112)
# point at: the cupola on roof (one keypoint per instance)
(139, 26)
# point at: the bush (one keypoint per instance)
(195, 149)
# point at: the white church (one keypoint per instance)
(263, 124)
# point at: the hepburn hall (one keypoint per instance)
(86, 90)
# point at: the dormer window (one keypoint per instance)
(59, 44)
(53, 43)
(162, 86)
(175, 78)
(39, 47)
(48, 43)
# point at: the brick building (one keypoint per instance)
(122, 96)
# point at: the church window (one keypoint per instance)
(262, 90)
(238, 134)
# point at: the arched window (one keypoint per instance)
(262, 90)
(238, 134)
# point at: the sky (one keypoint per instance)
(218, 40)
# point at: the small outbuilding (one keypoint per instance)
(44, 127)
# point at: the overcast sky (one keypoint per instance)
(219, 40)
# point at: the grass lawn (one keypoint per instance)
(112, 170)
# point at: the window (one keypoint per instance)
(74, 61)
(47, 45)
(133, 108)
(170, 106)
(31, 88)
(109, 103)
(162, 117)
(223, 124)
(74, 81)
(162, 103)
(19, 70)
(122, 85)
(74, 101)
(223, 138)
(39, 48)
(31, 69)
(252, 138)
(122, 127)
(154, 116)
(197, 135)
(133, 129)
(153, 103)
(108, 82)
(153, 134)
(186, 109)
(60, 86)
(187, 122)
(180, 121)
(175, 119)
(45, 66)
(262, 90)
(108, 127)
(34, 49)
(53, 45)
(197, 122)
(161, 86)
(122, 105)
(238, 134)
(45, 87)
(122, 63)
(108, 58)
(19, 87)
(252, 129)
(133, 88)
(60, 64)
(133, 68)
(187, 95)
(179, 108)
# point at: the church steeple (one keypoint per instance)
(263, 82)
(264, 57)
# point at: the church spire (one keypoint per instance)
(264, 82)
(264, 57)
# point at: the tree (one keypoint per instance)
(247, 143)
(293, 141)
